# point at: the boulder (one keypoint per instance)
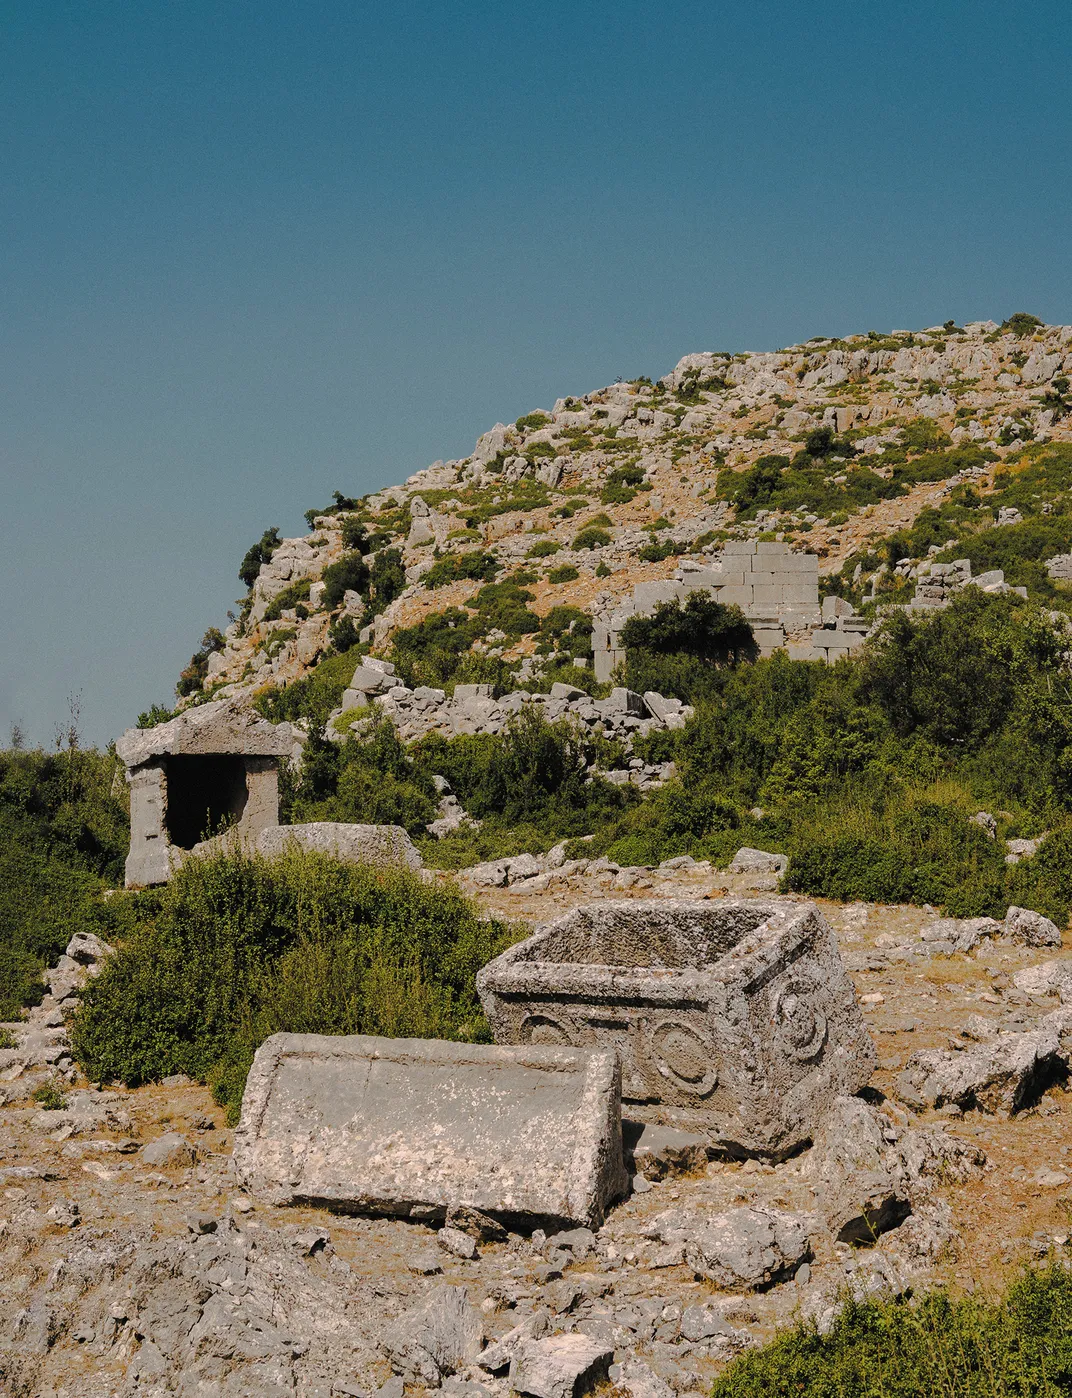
(1049, 978)
(435, 1339)
(1002, 1075)
(758, 861)
(388, 1124)
(354, 844)
(1031, 929)
(560, 1366)
(858, 1173)
(741, 1248)
(168, 1152)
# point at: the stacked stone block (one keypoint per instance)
(777, 589)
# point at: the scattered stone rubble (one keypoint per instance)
(134, 1268)
(623, 715)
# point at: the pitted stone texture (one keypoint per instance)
(750, 1248)
(435, 1339)
(1002, 1075)
(386, 1124)
(560, 1366)
(1031, 928)
(858, 1173)
(732, 1018)
(354, 844)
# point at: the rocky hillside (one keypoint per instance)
(874, 451)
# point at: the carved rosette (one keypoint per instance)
(799, 1017)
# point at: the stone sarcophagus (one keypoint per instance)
(734, 1018)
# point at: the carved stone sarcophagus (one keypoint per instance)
(733, 1018)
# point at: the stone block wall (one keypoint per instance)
(777, 589)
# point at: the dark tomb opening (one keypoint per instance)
(204, 796)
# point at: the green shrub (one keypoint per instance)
(367, 780)
(591, 538)
(531, 421)
(567, 573)
(452, 567)
(291, 595)
(503, 606)
(244, 947)
(349, 574)
(193, 676)
(534, 772)
(64, 834)
(544, 549)
(313, 696)
(258, 553)
(1022, 324)
(1019, 1346)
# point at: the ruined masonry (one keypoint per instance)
(777, 589)
(214, 766)
(733, 1019)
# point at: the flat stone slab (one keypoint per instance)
(383, 1125)
(734, 1018)
(353, 844)
(220, 727)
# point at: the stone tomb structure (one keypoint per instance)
(734, 1019)
(416, 1126)
(214, 767)
(776, 588)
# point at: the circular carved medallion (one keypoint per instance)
(542, 1029)
(683, 1056)
(799, 1021)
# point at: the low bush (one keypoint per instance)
(349, 574)
(63, 837)
(591, 538)
(567, 573)
(244, 947)
(453, 567)
(1018, 1346)
(313, 696)
(291, 596)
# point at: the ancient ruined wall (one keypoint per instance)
(776, 588)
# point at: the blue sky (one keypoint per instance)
(253, 253)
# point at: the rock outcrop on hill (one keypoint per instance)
(639, 482)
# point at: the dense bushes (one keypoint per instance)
(244, 947)
(349, 574)
(455, 567)
(63, 836)
(1017, 1347)
(867, 773)
(368, 779)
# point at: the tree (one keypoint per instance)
(258, 553)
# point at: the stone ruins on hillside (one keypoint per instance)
(215, 766)
(776, 588)
(734, 1019)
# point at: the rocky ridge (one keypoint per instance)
(627, 483)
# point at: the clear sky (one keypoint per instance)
(251, 253)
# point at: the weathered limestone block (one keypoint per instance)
(858, 1173)
(750, 1248)
(386, 1124)
(734, 1018)
(354, 844)
(559, 1366)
